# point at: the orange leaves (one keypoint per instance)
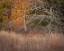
(17, 11)
(24, 3)
(15, 14)
(0, 3)
(18, 23)
(7, 0)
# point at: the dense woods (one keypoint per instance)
(15, 14)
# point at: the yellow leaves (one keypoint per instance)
(5, 19)
(17, 12)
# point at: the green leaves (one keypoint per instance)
(2, 7)
(1, 12)
(32, 12)
(45, 22)
(38, 12)
(4, 4)
(58, 1)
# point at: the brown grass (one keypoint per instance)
(10, 41)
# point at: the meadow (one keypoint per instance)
(11, 41)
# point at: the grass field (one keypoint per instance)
(10, 41)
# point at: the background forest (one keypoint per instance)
(15, 16)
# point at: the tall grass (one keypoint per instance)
(10, 41)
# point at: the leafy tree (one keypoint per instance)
(2, 8)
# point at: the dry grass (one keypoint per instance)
(10, 41)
